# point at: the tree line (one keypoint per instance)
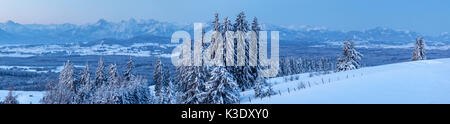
(191, 84)
(108, 86)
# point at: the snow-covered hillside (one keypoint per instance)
(24, 97)
(412, 82)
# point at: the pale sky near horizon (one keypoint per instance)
(430, 17)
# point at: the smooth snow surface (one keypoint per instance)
(417, 82)
(24, 97)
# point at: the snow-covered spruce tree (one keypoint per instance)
(262, 88)
(136, 89)
(255, 25)
(312, 65)
(285, 66)
(113, 75)
(289, 66)
(100, 77)
(241, 24)
(216, 23)
(99, 87)
(201, 75)
(169, 91)
(52, 95)
(101, 95)
(298, 65)
(255, 69)
(217, 36)
(259, 87)
(294, 66)
(184, 75)
(350, 59)
(180, 86)
(118, 91)
(419, 50)
(158, 80)
(226, 26)
(223, 89)
(191, 81)
(114, 86)
(129, 72)
(109, 94)
(84, 90)
(281, 68)
(10, 99)
(138, 92)
(194, 82)
(229, 45)
(130, 83)
(194, 86)
(243, 74)
(64, 91)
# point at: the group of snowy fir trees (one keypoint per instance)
(291, 66)
(108, 86)
(419, 50)
(10, 98)
(349, 60)
(222, 84)
(191, 84)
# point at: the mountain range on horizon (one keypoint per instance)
(16, 33)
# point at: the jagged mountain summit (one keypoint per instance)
(12, 32)
(16, 33)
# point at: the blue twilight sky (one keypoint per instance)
(430, 17)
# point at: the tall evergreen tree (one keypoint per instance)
(229, 44)
(194, 80)
(10, 99)
(255, 69)
(243, 74)
(180, 79)
(165, 95)
(241, 23)
(85, 85)
(138, 92)
(113, 76)
(100, 77)
(193, 95)
(216, 23)
(115, 87)
(158, 79)
(255, 25)
(129, 72)
(67, 77)
(169, 91)
(216, 37)
(350, 59)
(64, 91)
(419, 50)
(223, 88)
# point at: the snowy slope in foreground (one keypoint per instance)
(411, 82)
(24, 97)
